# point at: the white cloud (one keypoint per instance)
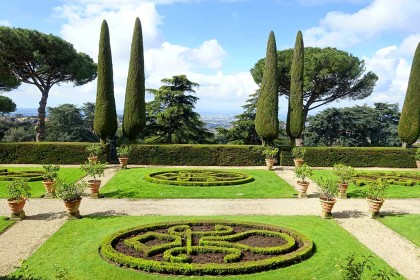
(5, 22)
(342, 30)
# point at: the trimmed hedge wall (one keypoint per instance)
(212, 155)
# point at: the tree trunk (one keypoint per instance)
(404, 145)
(298, 142)
(40, 126)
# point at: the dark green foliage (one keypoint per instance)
(12, 131)
(409, 125)
(29, 175)
(171, 116)
(134, 119)
(29, 56)
(329, 75)
(266, 120)
(88, 115)
(354, 126)
(356, 157)
(105, 122)
(204, 178)
(6, 105)
(393, 178)
(296, 89)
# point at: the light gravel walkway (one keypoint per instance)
(46, 216)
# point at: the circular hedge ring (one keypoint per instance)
(198, 178)
(206, 247)
(30, 175)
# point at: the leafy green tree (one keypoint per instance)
(88, 116)
(295, 117)
(32, 57)
(171, 116)
(105, 121)
(329, 75)
(21, 133)
(409, 126)
(6, 105)
(266, 119)
(134, 119)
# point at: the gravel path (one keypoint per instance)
(46, 216)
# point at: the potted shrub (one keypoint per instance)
(123, 152)
(375, 194)
(94, 151)
(270, 154)
(19, 192)
(328, 188)
(71, 194)
(303, 171)
(298, 155)
(418, 157)
(94, 170)
(50, 174)
(344, 173)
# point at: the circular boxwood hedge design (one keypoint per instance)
(30, 175)
(206, 247)
(362, 178)
(198, 178)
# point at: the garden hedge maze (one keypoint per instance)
(30, 175)
(206, 247)
(198, 178)
(393, 178)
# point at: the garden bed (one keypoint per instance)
(79, 241)
(130, 183)
(406, 225)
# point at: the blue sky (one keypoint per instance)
(216, 42)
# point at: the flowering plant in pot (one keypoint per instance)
(71, 194)
(94, 150)
(270, 154)
(123, 152)
(303, 171)
(94, 169)
(418, 157)
(328, 188)
(375, 194)
(344, 173)
(50, 174)
(18, 192)
(298, 155)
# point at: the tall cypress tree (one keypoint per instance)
(134, 119)
(266, 119)
(295, 116)
(409, 125)
(105, 121)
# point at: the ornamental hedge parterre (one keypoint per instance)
(394, 178)
(198, 178)
(30, 175)
(206, 247)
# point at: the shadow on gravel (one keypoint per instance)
(47, 216)
(349, 214)
(97, 215)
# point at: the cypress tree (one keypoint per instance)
(409, 125)
(134, 119)
(105, 120)
(266, 119)
(295, 116)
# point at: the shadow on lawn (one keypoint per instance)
(121, 193)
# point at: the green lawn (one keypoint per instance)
(75, 246)
(393, 191)
(130, 183)
(71, 174)
(406, 225)
(4, 224)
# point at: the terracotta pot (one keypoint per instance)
(343, 187)
(72, 206)
(298, 162)
(418, 163)
(123, 161)
(327, 205)
(374, 205)
(94, 185)
(302, 186)
(16, 206)
(49, 186)
(270, 163)
(93, 159)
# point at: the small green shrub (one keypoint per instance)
(51, 172)
(270, 152)
(303, 171)
(328, 187)
(69, 191)
(345, 173)
(124, 151)
(94, 169)
(376, 190)
(299, 152)
(94, 150)
(19, 189)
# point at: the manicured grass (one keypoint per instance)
(75, 246)
(130, 183)
(393, 191)
(71, 174)
(5, 223)
(406, 225)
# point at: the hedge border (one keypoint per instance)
(30, 175)
(150, 177)
(109, 253)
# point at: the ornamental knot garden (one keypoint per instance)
(206, 247)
